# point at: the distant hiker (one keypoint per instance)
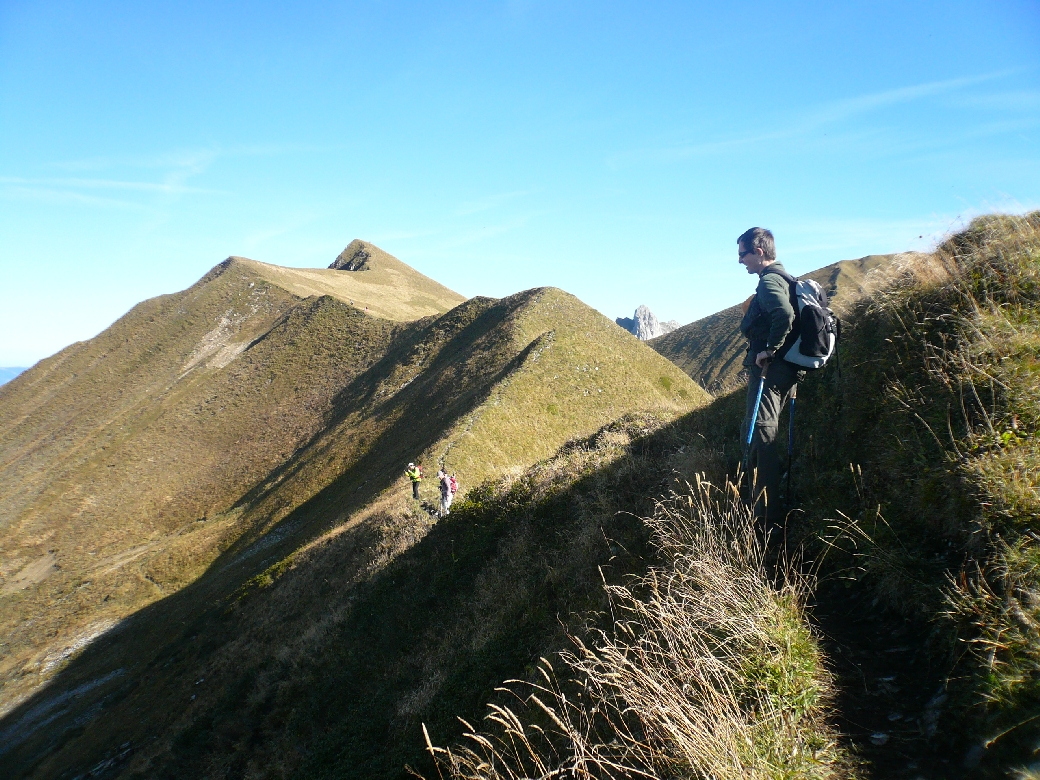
(453, 488)
(768, 319)
(445, 485)
(414, 473)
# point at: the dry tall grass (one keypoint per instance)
(709, 670)
(938, 409)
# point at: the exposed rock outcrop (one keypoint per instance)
(644, 325)
(354, 258)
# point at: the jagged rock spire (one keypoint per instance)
(644, 325)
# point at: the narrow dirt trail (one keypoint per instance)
(890, 695)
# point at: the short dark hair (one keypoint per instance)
(759, 238)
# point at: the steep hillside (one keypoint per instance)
(339, 618)
(711, 349)
(916, 491)
(216, 438)
(121, 456)
(937, 407)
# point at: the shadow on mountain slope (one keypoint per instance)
(147, 631)
(325, 664)
(423, 395)
(202, 419)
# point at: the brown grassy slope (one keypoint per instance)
(488, 388)
(113, 449)
(385, 287)
(711, 349)
(433, 378)
(580, 371)
(938, 406)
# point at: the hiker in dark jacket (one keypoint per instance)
(768, 319)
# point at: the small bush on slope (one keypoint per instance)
(937, 412)
(707, 671)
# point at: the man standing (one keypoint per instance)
(414, 473)
(768, 320)
(444, 481)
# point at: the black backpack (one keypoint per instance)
(814, 337)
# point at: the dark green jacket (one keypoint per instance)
(770, 316)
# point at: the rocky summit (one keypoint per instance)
(644, 325)
(354, 258)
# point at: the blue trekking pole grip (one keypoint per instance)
(758, 402)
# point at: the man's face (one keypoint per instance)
(753, 260)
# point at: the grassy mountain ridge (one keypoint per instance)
(277, 427)
(916, 493)
(342, 617)
(711, 349)
(114, 448)
(938, 410)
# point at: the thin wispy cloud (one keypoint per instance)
(403, 235)
(179, 167)
(197, 159)
(838, 235)
(1020, 100)
(832, 113)
(192, 159)
(260, 237)
(165, 188)
(476, 236)
(846, 109)
(890, 235)
(56, 196)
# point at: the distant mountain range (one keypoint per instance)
(9, 373)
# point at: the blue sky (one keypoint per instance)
(614, 150)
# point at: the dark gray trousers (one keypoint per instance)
(764, 459)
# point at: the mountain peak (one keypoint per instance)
(388, 288)
(355, 257)
(644, 325)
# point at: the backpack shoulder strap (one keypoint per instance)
(792, 284)
(782, 274)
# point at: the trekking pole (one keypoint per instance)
(754, 419)
(790, 442)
